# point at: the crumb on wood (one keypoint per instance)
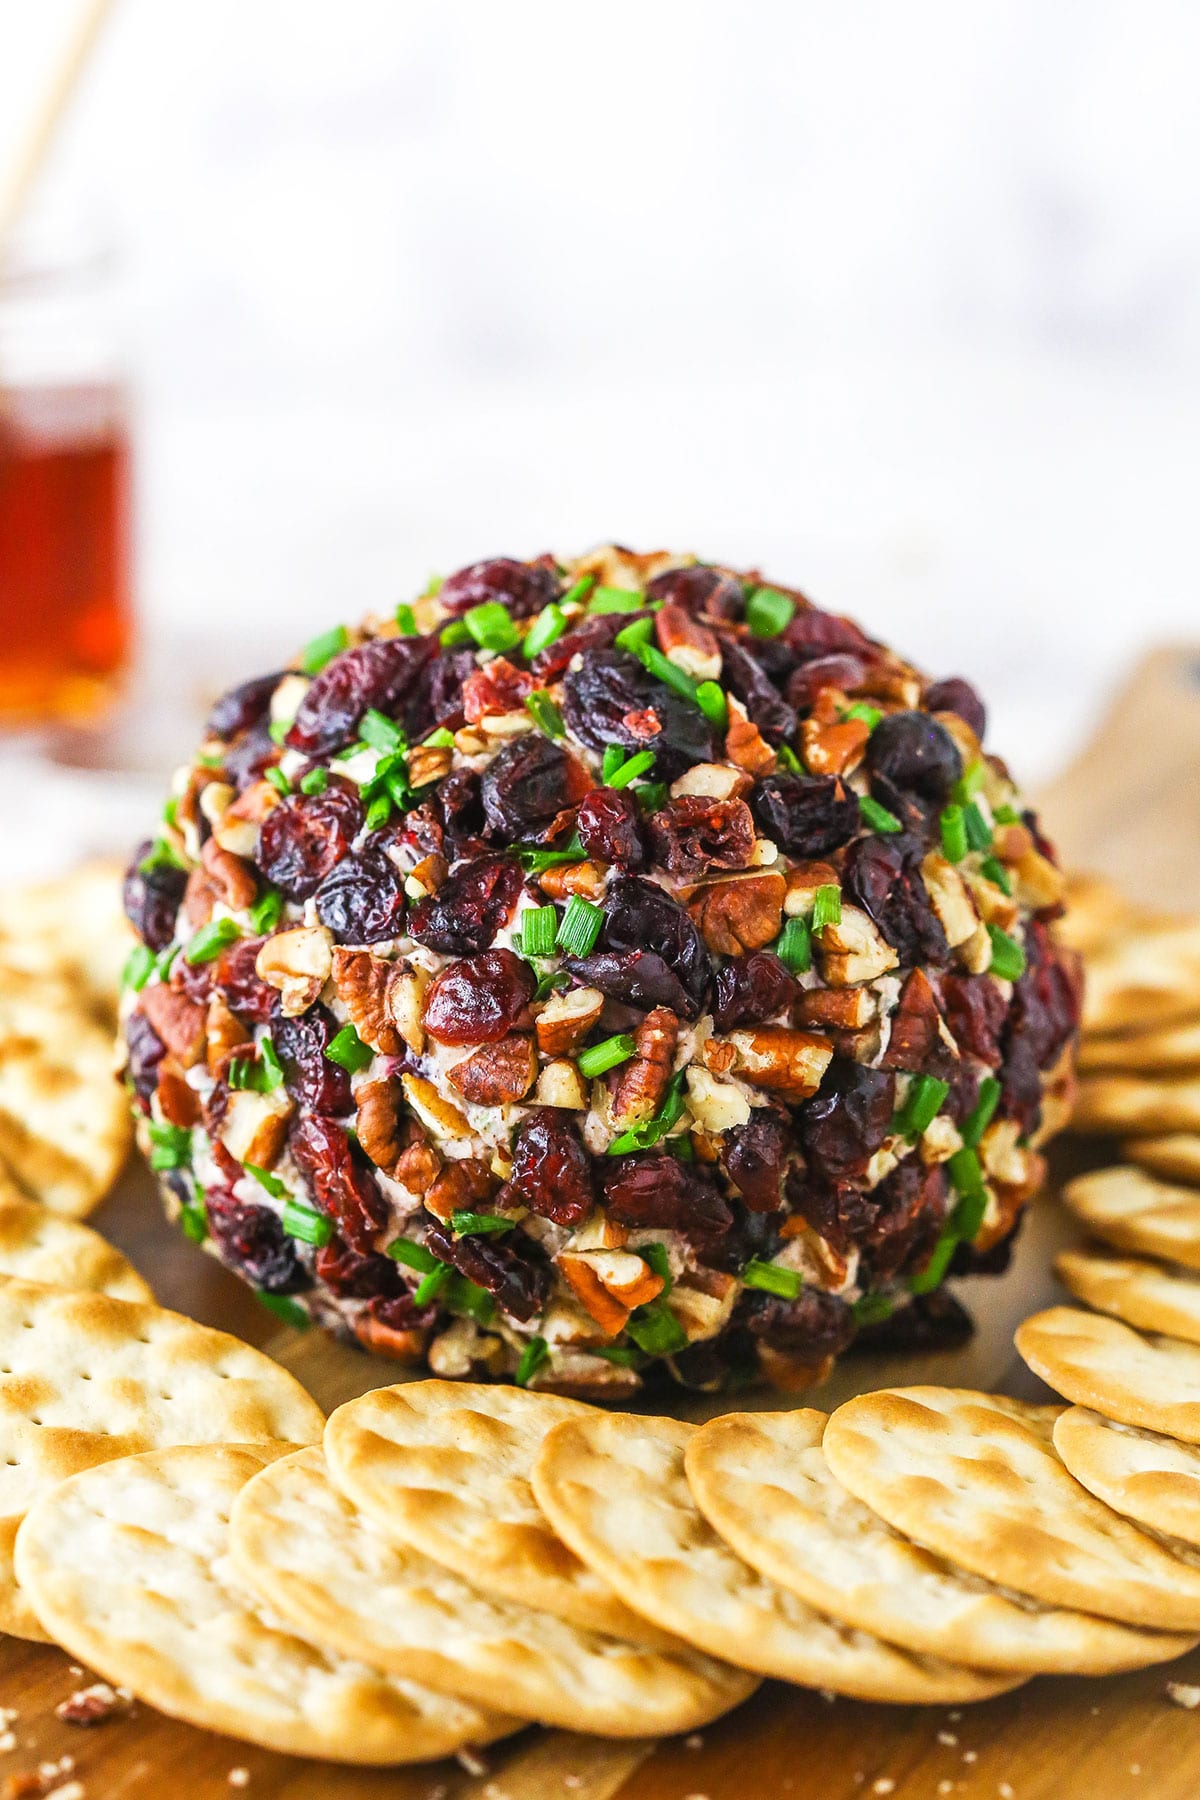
(238, 1778)
(883, 1785)
(94, 1705)
(949, 1738)
(472, 1760)
(1185, 1694)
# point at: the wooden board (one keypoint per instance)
(1130, 805)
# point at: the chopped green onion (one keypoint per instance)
(193, 1221)
(266, 911)
(934, 1272)
(873, 1309)
(652, 796)
(321, 650)
(576, 595)
(431, 1285)
(1006, 815)
(876, 816)
(161, 855)
(979, 832)
(713, 704)
(980, 1116)
(580, 926)
(995, 872)
(921, 1108)
(463, 1296)
(789, 760)
(208, 759)
(164, 960)
(315, 782)
(549, 625)
(278, 729)
(657, 1257)
(827, 906)
(272, 1067)
(655, 1329)
(535, 859)
(636, 636)
(491, 626)
(264, 1178)
(966, 1174)
(1008, 958)
(379, 812)
(549, 984)
(477, 1224)
(433, 587)
(210, 940)
(413, 1255)
(870, 715)
(305, 1223)
(651, 1131)
(278, 779)
(602, 1057)
(968, 1214)
(139, 967)
(240, 1073)
(793, 947)
(616, 600)
(539, 926)
(545, 713)
(664, 670)
(768, 612)
(290, 1311)
(406, 620)
(970, 782)
(614, 756)
(772, 1279)
(954, 834)
(441, 739)
(382, 733)
(172, 1146)
(457, 633)
(640, 763)
(348, 1050)
(535, 1353)
(622, 1356)
(170, 812)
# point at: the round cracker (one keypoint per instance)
(1144, 1294)
(38, 1245)
(129, 1568)
(1150, 1478)
(1161, 1052)
(309, 1552)
(1133, 1211)
(1144, 979)
(615, 1487)
(444, 1466)
(1175, 1156)
(975, 1478)
(74, 927)
(64, 1120)
(1137, 1104)
(85, 1378)
(1135, 1377)
(763, 1482)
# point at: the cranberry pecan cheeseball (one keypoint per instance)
(595, 968)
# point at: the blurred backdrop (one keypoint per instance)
(900, 303)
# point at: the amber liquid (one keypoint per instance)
(65, 612)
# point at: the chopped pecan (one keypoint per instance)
(691, 646)
(643, 1080)
(950, 899)
(224, 1033)
(583, 878)
(789, 1372)
(254, 1126)
(832, 745)
(836, 1009)
(609, 1283)
(216, 798)
(237, 831)
(437, 1114)
(428, 763)
(94, 1705)
(1039, 883)
(561, 1084)
(198, 898)
(232, 879)
(405, 1001)
(178, 1103)
(419, 1164)
(802, 884)
(378, 1125)
(716, 1106)
(745, 745)
(496, 1074)
(298, 963)
(404, 1344)
(916, 1025)
(362, 982)
(715, 781)
(178, 1021)
(427, 877)
(785, 1061)
(461, 1186)
(741, 913)
(566, 1019)
(854, 950)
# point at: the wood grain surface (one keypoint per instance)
(1130, 806)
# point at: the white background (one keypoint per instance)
(901, 302)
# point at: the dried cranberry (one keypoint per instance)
(459, 804)
(529, 783)
(552, 1172)
(146, 1051)
(342, 1187)
(311, 1079)
(480, 999)
(609, 823)
(813, 633)
(1021, 1086)
(499, 687)
(848, 1117)
(701, 590)
(377, 674)
(815, 1323)
(927, 1322)
(839, 671)
(744, 676)
(753, 1156)
(695, 834)
(975, 1013)
(659, 1191)
(751, 989)
(594, 633)
(957, 696)
(436, 702)
(611, 699)
(838, 1211)
(400, 1312)
(883, 876)
(306, 836)
(254, 751)
(353, 1277)
(362, 899)
(243, 706)
(242, 989)
(674, 974)
(469, 908)
(252, 1241)
(1046, 1000)
(909, 753)
(153, 897)
(514, 1270)
(909, 1208)
(806, 815)
(523, 587)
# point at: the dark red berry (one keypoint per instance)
(524, 588)
(242, 988)
(251, 1241)
(911, 754)
(514, 1269)
(146, 1051)
(243, 706)
(751, 989)
(694, 835)
(470, 907)
(815, 1324)
(529, 784)
(754, 1156)
(153, 897)
(351, 1276)
(847, 1119)
(480, 999)
(378, 674)
(551, 1170)
(362, 899)
(659, 1191)
(806, 815)
(611, 699)
(701, 590)
(743, 674)
(674, 974)
(957, 696)
(883, 876)
(342, 1187)
(611, 829)
(311, 1079)
(306, 836)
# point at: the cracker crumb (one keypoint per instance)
(1135, 1768)
(94, 1705)
(1006, 1791)
(8, 1740)
(884, 1785)
(970, 1756)
(468, 1758)
(945, 1787)
(70, 1790)
(238, 1778)
(1184, 1694)
(694, 1742)
(949, 1738)
(572, 1781)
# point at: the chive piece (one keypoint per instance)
(636, 636)
(876, 816)
(278, 779)
(271, 1067)
(379, 812)
(315, 782)
(622, 1356)
(382, 733)
(305, 1223)
(535, 1353)
(713, 704)
(954, 834)
(1008, 958)
(535, 859)
(652, 796)
(454, 635)
(873, 1309)
(539, 926)
(441, 739)
(921, 1108)
(546, 629)
(656, 1257)
(576, 595)
(266, 911)
(996, 873)
(664, 670)
(165, 959)
(171, 812)
(208, 759)
(413, 1255)
(463, 1296)
(193, 1221)
(285, 1308)
(139, 967)
(979, 832)
(550, 984)
(431, 1285)
(827, 906)
(1006, 815)
(580, 926)
(789, 760)
(970, 782)
(406, 620)
(321, 650)
(491, 626)
(655, 1329)
(793, 947)
(965, 1172)
(616, 600)
(772, 1279)
(605, 1056)
(545, 713)
(768, 612)
(934, 1272)
(210, 940)
(348, 1050)
(277, 731)
(161, 855)
(614, 756)
(265, 1179)
(239, 1075)
(980, 1116)
(870, 715)
(433, 587)
(477, 1224)
(640, 763)
(172, 1146)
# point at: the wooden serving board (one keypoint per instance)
(1131, 807)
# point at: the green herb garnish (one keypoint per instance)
(210, 940)
(602, 1057)
(827, 906)
(348, 1050)
(772, 1279)
(768, 612)
(876, 816)
(580, 926)
(321, 650)
(1008, 958)
(793, 947)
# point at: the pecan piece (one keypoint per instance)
(438, 1115)
(225, 1033)
(854, 950)
(643, 1081)
(419, 1164)
(714, 781)
(836, 1009)
(745, 745)
(362, 982)
(428, 763)
(691, 646)
(231, 878)
(378, 1125)
(832, 746)
(740, 914)
(461, 1186)
(404, 1344)
(561, 1084)
(496, 1074)
(566, 1019)
(405, 1003)
(254, 1126)
(297, 963)
(786, 1061)
(178, 1021)
(584, 878)
(178, 1103)
(609, 1283)
(239, 824)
